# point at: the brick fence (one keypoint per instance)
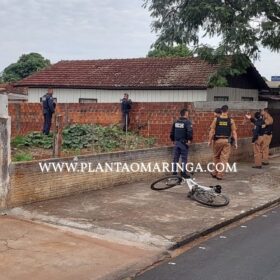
(149, 119)
(29, 184)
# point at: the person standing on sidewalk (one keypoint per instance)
(48, 105)
(181, 134)
(221, 131)
(267, 137)
(126, 105)
(258, 138)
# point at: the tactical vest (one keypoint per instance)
(180, 133)
(260, 123)
(223, 128)
(268, 129)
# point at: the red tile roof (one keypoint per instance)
(139, 73)
(9, 88)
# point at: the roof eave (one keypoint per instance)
(171, 87)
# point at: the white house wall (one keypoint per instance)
(112, 96)
(234, 94)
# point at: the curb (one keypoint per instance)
(189, 238)
(132, 272)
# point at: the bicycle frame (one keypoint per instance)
(191, 184)
(210, 196)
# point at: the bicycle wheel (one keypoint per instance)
(210, 198)
(166, 183)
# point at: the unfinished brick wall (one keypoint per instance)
(149, 119)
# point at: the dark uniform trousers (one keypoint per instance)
(47, 122)
(125, 121)
(180, 149)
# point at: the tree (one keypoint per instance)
(170, 51)
(240, 26)
(26, 65)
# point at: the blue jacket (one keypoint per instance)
(126, 105)
(48, 104)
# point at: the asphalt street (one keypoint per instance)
(250, 251)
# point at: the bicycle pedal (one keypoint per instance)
(218, 189)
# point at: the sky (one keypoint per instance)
(85, 29)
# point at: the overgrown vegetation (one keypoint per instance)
(82, 137)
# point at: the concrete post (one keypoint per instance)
(5, 151)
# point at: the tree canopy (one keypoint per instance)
(170, 51)
(241, 26)
(26, 65)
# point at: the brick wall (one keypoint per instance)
(150, 119)
(29, 184)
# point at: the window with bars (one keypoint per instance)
(244, 98)
(221, 98)
(87, 100)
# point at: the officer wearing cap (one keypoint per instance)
(181, 134)
(222, 130)
(48, 105)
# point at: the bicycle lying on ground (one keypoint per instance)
(210, 196)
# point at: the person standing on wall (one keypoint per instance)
(126, 106)
(267, 137)
(48, 105)
(222, 130)
(181, 134)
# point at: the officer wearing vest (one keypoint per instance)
(222, 130)
(48, 105)
(181, 134)
(258, 138)
(268, 122)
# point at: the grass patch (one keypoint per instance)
(21, 156)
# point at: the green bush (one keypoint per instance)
(34, 139)
(84, 136)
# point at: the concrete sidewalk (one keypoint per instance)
(35, 251)
(159, 220)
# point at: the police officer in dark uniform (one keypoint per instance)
(182, 134)
(126, 105)
(48, 110)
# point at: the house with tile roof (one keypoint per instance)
(144, 79)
